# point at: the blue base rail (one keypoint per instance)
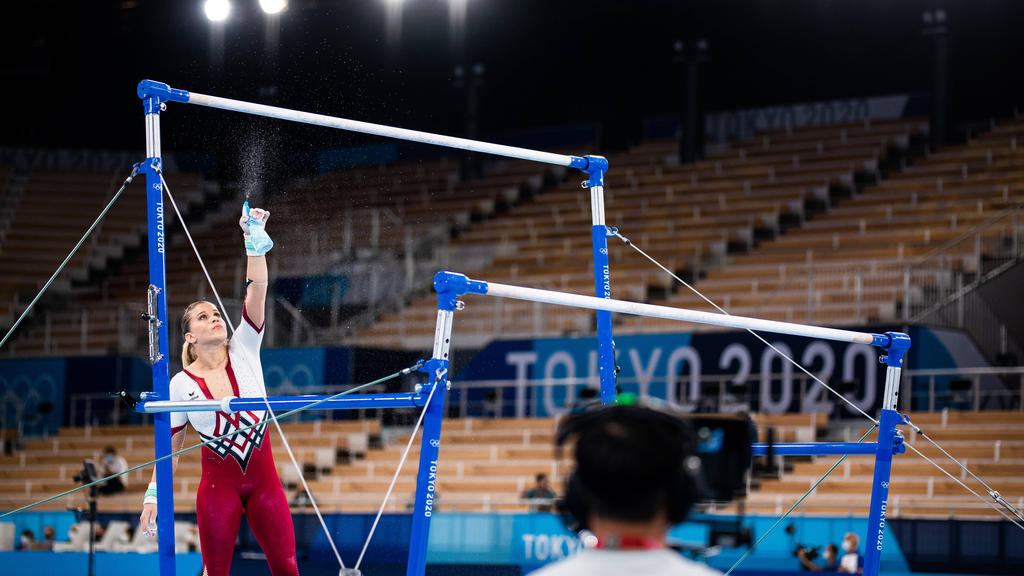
(354, 402)
(821, 449)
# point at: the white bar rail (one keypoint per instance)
(379, 130)
(165, 93)
(459, 284)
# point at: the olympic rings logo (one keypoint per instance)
(23, 393)
(297, 380)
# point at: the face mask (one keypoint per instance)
(847, 546)
(25, 541)
(110, 459)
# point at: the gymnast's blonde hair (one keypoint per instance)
(188, 352)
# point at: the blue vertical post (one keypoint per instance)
(889, 443)
(430, 442)
(596, 168)
(152, 105)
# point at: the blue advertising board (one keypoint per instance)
(686, 370)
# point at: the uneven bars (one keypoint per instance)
(458, 284)
(163, 92)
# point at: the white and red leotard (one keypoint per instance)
(238, 471)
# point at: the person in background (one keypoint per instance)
(830, 557)
(852, 562)
(28, 538)
(49, 537)
(541, 495)
(635, 477)
(112, 463)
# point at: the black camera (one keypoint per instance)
(88, 473)
(723, 445)
(810, 552)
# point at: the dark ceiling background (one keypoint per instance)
(69, 69)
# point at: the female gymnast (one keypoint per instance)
(238, 472)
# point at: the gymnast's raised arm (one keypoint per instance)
(257, 244)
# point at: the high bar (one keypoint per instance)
(458, 284)
(163, 92)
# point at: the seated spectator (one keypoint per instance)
(112, 464)
(301, 499)
(28, 538)
(541, 495)
(49, 537)
(191, 540)
(852, 562)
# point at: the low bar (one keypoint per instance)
(463, 285)
(356, 402)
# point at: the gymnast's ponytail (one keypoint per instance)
(188, 355)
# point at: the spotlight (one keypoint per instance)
(273, 6)
(217, 10)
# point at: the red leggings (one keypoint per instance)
(225, 492)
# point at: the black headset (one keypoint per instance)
(681, 489)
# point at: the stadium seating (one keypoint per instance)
(846, 266)
(47, 466)
(486, 464)
(53, 211)
(693, 218)
(989, 443)
(800, 224)
(316, 223)
(786, 225)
